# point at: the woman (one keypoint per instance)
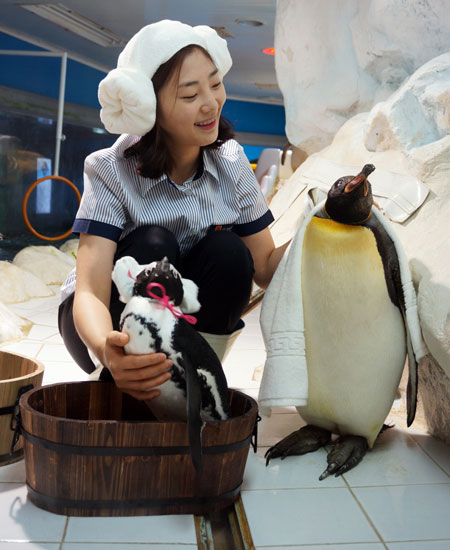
(184, 190)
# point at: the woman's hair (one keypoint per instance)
(151, 150)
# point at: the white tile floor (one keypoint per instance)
(398, 498)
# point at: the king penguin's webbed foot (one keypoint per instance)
(347, 452)
(305, 440)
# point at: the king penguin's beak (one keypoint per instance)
(356, 182)
(360, 179)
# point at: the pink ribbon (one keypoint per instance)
(164, 301)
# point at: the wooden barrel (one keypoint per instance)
(17, 373)
(91, 450)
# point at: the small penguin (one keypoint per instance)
(356, 335)
(197, 391)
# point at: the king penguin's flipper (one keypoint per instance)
(392, 275)
(412, 387)
(193, 404)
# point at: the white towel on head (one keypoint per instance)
(285, 377)
(126, 94)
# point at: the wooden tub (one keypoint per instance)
(17, 373)
(91, 450)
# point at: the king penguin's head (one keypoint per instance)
(350, 198)
(165, 274)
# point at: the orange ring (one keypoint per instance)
(27, 196)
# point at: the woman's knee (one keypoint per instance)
(70, 336)
(229, 251)
(149, 243)
(222, 252)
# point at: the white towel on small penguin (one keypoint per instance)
(285, 377)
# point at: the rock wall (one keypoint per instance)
(336, 59)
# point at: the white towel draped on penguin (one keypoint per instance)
(338, 320)
(197, 391)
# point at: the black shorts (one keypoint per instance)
(220, 264)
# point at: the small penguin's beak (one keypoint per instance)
(165, 265)
(360, 179)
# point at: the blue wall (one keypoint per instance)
(258, 118)
(41, 76)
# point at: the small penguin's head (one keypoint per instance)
(165, 274)
(350, 198)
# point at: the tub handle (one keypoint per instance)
(16, 419)
(254, 440)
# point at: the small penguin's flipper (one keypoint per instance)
(193, 407)
(124, 276)
(190, 303)
(302, 441)
(214, 388)
(411, 389)
(347, 452)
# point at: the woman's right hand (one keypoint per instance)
(136, 375)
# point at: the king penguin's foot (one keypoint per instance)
(305, 440)
(347, 452)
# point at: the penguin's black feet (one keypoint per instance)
(305, 440)
(347, 452)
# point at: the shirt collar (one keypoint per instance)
(209, 165)
(206, 164)
(145, 184)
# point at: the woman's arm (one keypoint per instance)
(265, 256)
(134, 374)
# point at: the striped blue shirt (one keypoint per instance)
(116, 199)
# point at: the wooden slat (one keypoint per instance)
(16, 371)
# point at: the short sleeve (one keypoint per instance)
(101, 210)
(254, 212)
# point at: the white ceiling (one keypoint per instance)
(252, 76)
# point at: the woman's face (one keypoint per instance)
(189, 109)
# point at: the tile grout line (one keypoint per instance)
(435, 484)
(311, 546)
(94, 543)
(428, 454)
(39, 351)
(369, 519)
(416, 540)
(66, 525)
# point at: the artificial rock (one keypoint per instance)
(46, 262)
(336, 59)
(12, 327)
(19, 285)
(70, 247)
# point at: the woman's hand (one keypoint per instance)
(136, 375)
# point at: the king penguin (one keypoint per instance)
(356, 336)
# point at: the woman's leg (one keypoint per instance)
(75, 346)
(145, 244)
(222, 267)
